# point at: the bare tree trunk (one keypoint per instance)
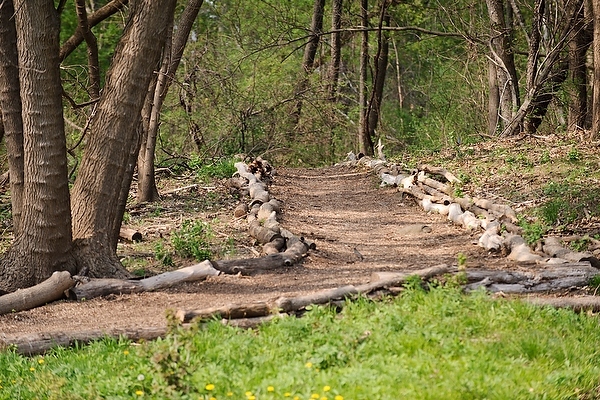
(365, 143)
(10, 104)
(596, 82)
(381, 63)
(493, 99)
(44, 242)
(172, 55)
(310, 52)
(104, 167)
(503, 59)
(336, 48)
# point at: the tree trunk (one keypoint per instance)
(596, 82)
(365, 142)
(493, 99)
(114, 138)
(381, 62)
(44, 241)
(336, 48)
(310, 52)
(172, 55)
(10, 104)
(577, 90)
(503, 59)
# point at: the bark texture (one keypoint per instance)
(112, 145)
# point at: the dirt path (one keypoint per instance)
(357, 226)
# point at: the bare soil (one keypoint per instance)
(357, 226)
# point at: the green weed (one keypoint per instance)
(192, 240)
(440, 344)
(532, 231)
(219, 169)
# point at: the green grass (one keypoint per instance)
(424, 345)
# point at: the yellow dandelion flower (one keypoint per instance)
(253, 397)
(323, 398)
(212, 398)
(326, 388)
(296, 398)
(270, 389)
(32, 369)
(209, 387)
(287, 394)
(314, 396)
(338, 397)
(229, 394)
(308, 365)
(125, 352)
(41, 361)
(139, 392)
(248, 394)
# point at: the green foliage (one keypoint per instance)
(440, 344)
(163, 254)
(193, 240)
(219, 169)
(567, 202)
(532, 231)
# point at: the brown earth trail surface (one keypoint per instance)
(357, 226)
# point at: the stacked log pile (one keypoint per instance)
(554, 268)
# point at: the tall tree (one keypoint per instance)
(502, 57)
(596, 77)
(172, 54)
(47, 241)
(381, 64)
(336, 48)
(365, 142)
(310, 53)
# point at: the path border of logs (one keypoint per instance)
(552, 269)
(558, 269)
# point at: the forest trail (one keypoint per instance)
(357, 226)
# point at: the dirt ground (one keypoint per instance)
(357, 226)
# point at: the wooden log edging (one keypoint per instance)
(495, 222)
(261, 215)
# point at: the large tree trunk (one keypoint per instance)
(114, 137)
(365, 142)
(381, 62)
(503, 59)
(596, 82)
(44, 241)
(172, 55)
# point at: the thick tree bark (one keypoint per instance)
(114, 138)
(503, 59)
(44, 242)
(172, 55)
(365, 142)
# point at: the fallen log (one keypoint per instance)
(130, 235)
(39, 343)
(270, 262)
(577, 304)
(50, 290)
(103, 287)
(292, 304)
(519, 251)
(553, 247)
(439, 171)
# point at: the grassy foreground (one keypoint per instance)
(439, 344)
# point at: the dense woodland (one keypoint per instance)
(95, 92)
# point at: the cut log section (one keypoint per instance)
(131, 235)
(51, 289)
(103, 287)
